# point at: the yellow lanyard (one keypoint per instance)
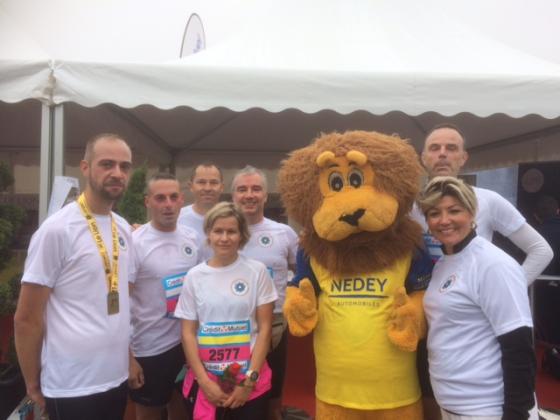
(111, 270)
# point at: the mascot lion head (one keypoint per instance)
(352, 193)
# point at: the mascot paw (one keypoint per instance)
(300, 308)
(406, 322)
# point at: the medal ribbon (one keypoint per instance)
(111, 270)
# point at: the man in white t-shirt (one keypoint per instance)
(444, 154)
(275, 245)
(206, 184)
(72, 323)
(163, 254)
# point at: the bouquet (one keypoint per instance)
(228, 380)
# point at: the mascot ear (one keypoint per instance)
(324, 158)
(356, 157)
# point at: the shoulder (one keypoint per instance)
(141, 232)
(186, 232)
(252, 264)
(121, 222)
(489, 256)
(58, 222)
(198, 269)
(186, 210)
(491, 197)
(278, 227)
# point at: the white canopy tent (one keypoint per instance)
(281, 74)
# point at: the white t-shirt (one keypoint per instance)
(191, 219)
(85, 350)
(474, 296)
(161, 259)
(494, 213)
(275, 245)
(224, 300)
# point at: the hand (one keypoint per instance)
(213, 392)
(135, 374)
(238, 397)
(406, 322)
(37, 397)
(300, 308)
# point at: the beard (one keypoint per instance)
(104, 191)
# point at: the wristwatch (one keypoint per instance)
(252, 375)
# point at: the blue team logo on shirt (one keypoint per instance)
(239, 287)
(122, 243)
(447, 284)
(265, 240)
(187, 250)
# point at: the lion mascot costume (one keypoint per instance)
(361, 272)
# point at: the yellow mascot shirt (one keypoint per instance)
(357, 366)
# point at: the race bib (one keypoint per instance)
(172, 286)
(222, 343)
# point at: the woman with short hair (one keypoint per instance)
(226, 306)
(480, 350)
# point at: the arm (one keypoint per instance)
(518, 365)
(539, 253)
(135, 372)
(262, 344)
(190, 345)
(258, 355)
(29, 330)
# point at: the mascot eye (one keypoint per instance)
(356, 178)
(336, 182)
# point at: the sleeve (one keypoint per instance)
(46, 256)
(199, 243)
(134, 261)
(304, 270)
(266, 290)
(502, 296)
(186, 306)
(519, 366)
(539, 253)
(292, 245)
(420, 272)
(506, 219)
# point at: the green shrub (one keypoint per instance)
(6, 233)
(14, 214)
(6, 177)
(131, 206)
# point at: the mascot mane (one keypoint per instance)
(396, 168)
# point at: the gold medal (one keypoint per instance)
(113, 303)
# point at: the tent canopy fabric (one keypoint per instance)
(284, 72)
(360, 55)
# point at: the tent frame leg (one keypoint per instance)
(52, 153)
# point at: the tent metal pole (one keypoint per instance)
(58, 141)
(47, 116)
(52, 153)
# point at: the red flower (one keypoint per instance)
(228, 380)
(234, 368)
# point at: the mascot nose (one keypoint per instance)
(352, 219)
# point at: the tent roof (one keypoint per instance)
(360, 55)
(276, 75)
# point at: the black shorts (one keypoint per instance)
(160, 372)
(277, 359)
(107, 405)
